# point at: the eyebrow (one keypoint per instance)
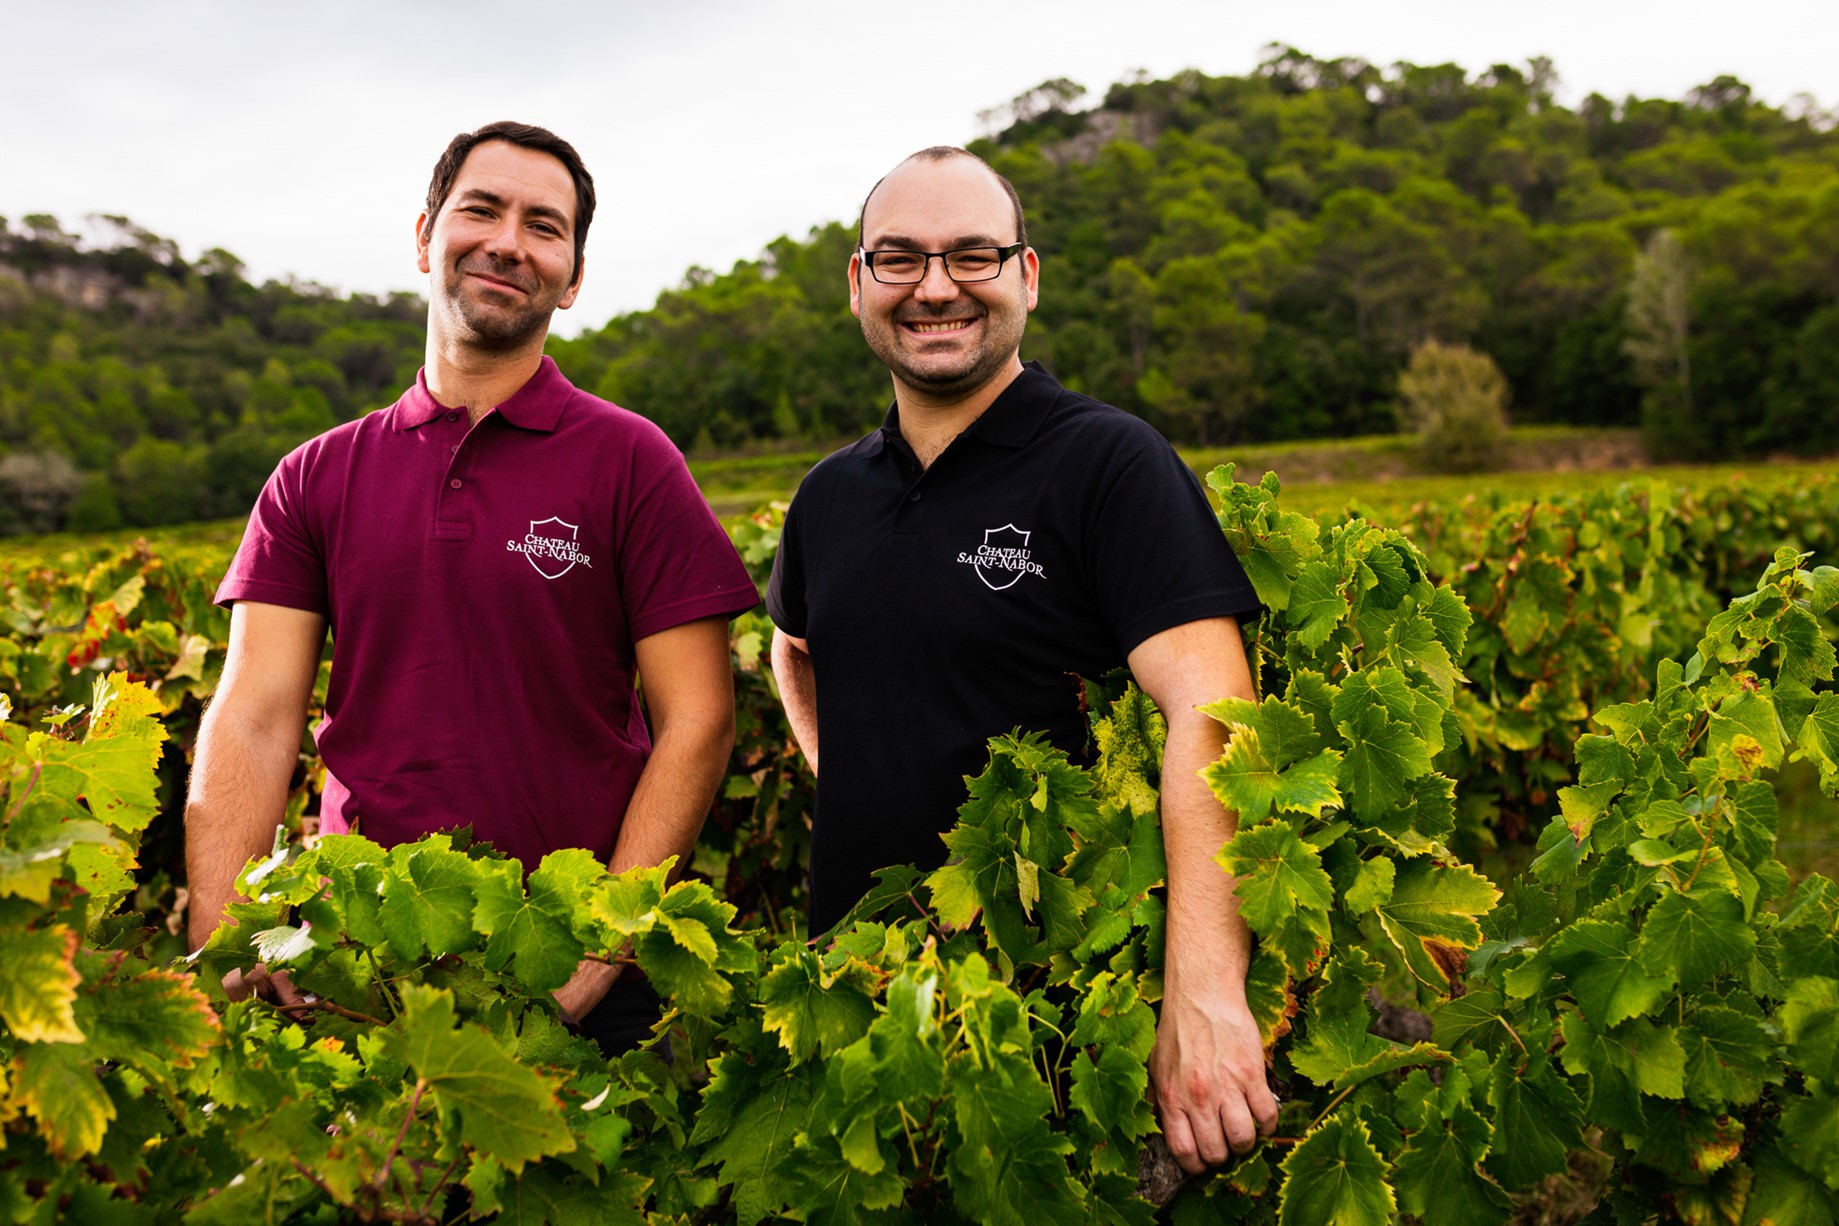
(499, 202)
(906, 242)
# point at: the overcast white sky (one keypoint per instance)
(301, 138)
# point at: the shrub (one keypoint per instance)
(1455, 400)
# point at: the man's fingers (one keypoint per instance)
(284, 991)
(1180, 1140)
(1236, 1121)
(1264, 1108)
(1209, 1137)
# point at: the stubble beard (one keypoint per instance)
(498, 328)
(943, 382)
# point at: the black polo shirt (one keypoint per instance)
(945, 606)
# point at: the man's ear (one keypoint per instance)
(574, 291)
(855, 285)
(424, 227)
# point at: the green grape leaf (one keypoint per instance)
(537, 944)
(1539, 1111)
(1783, 1195)
(1386, 744)
(1819, 741)
(39, 991)
(116, 776)
(1438, 1174)
(1248, 782)
(505, 1111)
(1284, 893)
(813, 1013)
(1810, 1020)
(752, 1115)
(428, 898)
(1336, 1175)
(1316, 605)
(1810, 1136)
(1431, 918)
(1009, 1167)
(1694, 933)
(1608, 981)
(1729, 1057)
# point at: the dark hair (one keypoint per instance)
(940, 153)
(525, 136)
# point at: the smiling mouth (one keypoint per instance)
(937, 327)
(498, 283)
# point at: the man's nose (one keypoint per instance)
(505, 239)
(936, 283)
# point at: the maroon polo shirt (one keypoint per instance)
(485, 587)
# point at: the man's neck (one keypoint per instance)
(929, 424)
(460, 376)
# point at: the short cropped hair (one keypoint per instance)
(525, 136)
(939, 153)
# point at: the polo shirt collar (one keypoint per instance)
(1010, 421)
(537, 405)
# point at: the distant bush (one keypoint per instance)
(1455, 400)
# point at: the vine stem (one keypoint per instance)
(1336, 1101)
(389, 1159)
(38, 768)
(326, 1006)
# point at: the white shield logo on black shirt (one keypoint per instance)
(1003, 557)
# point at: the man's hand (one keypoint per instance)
(1208, 1071)
(264, 984)
(587, 987)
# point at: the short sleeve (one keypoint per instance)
(785, 590)
(676, 563)
(1157, 556)
(279, 561)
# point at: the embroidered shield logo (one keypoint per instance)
(552, 547)
(1003, 559)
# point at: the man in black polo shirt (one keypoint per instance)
(950, 577)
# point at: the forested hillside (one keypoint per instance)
(1250, 258)
(1236, 258)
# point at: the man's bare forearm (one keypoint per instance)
(797, 681)
(674, 793)
(1209, 946)
(238, 794)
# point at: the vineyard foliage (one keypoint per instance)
(1654, 995)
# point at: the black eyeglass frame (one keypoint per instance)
(1003, 255)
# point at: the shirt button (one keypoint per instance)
(454, 450)
(456, 483)
(453, 417)
(914, 496)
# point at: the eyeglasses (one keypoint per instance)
(894, 267)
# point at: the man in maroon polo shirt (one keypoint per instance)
(499, 556)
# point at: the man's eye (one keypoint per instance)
(897, 261)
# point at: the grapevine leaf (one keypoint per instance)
(1819, 741)
(506, 1111)
(1130, 741)
(812, 1013)
(1316, 606)
(1810, 1136)
(116, 776)
(428, 899)
(1782, 1195)
(154, 1019)
(39, 991)
(1747, 715)
(56, 1084)
(751, 1117)
(29, 871)
(1336, 1175)
(1810, 1020)
(1431, 918)
(538, 945)
(1372, 885)
(1695, 932)
(1009, 1167)
(1609, 983)
(543, 1195)
(1386, 748)
(1539, 1111)
(1438, 1176)
(1284, 893)
(1729, 1057)
(1247, 781)
(1478, 1018)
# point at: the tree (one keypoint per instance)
(1659, 329)
(1455, 400)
